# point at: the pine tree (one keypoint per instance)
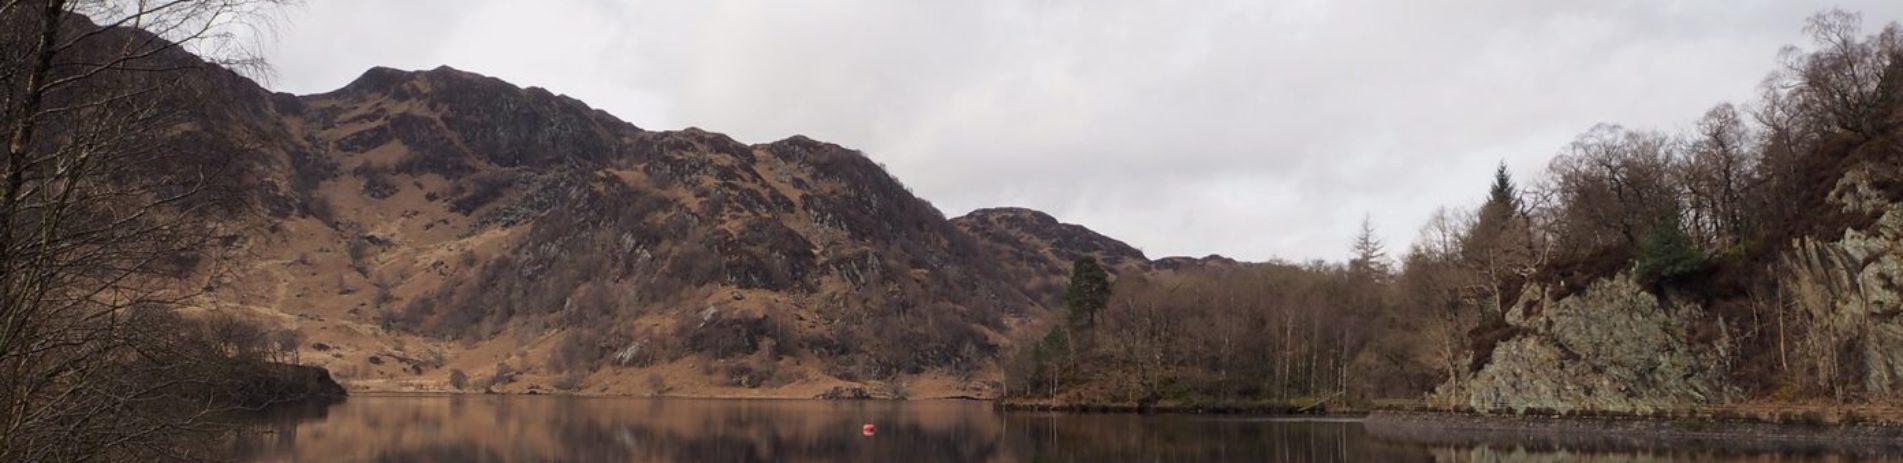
(1503, 191)
(1088, 294)
(1503, 200)
(1495, 219)
(1491, 247)
(1370, 259)
(1667, 252)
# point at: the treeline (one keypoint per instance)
(1777, 220)
(1222, 334)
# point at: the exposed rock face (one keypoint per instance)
(1612, 348)
(1848, 290)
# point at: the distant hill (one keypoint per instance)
(417, 223)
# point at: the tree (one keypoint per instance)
(1369, 261)
(1503, 196)
(1845, 84)
(1667, 253)
(1088, 293)
(1495, 218)
(1439, 293)
(1715, 174)
(101, 210)
(458, 379)
(1498, 245)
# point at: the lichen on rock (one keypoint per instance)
(1614, 347)
(1846, 295)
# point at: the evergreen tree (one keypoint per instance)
(1494, 221)
(1494, 245)
(1370, 259)
(1667, 252)
(1088, 294)
(1503, 202)
(1503, 191)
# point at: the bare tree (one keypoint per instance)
(98, 237)
(1841, 84)
(1715, 173)
(1442, 294)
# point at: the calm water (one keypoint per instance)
(548, 428)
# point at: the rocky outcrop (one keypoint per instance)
(1613, 348)
(1846, 293)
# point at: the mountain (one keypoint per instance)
(419, 225)
(1041, 249)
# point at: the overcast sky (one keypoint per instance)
(1253, 129)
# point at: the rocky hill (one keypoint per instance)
(1042, 249)
(422, 226)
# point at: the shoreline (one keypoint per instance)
(1607, 432)
(1211, 408)
(1630, 433)
(387, 393)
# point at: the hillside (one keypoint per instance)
(411, 225)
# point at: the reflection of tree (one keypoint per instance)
(1630, 442)
(488, 428)
(467, 428)
(742, 435)
(266, 428)
(1091, 438)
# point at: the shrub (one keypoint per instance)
(657, 385)
(579, 351)
(744, 375)
(376, 183)
(504, 374)
(570, 381)
(480, 190)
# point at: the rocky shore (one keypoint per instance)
(1625, 433)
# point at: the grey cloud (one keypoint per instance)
(1251, 129)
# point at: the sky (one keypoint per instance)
(1252, 129)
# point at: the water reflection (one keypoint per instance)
(543, 428)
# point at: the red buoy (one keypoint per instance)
(866, 430)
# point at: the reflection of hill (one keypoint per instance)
(524, 428)
(558, 428)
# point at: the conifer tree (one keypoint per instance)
(1088, 294)
(1667, 252)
